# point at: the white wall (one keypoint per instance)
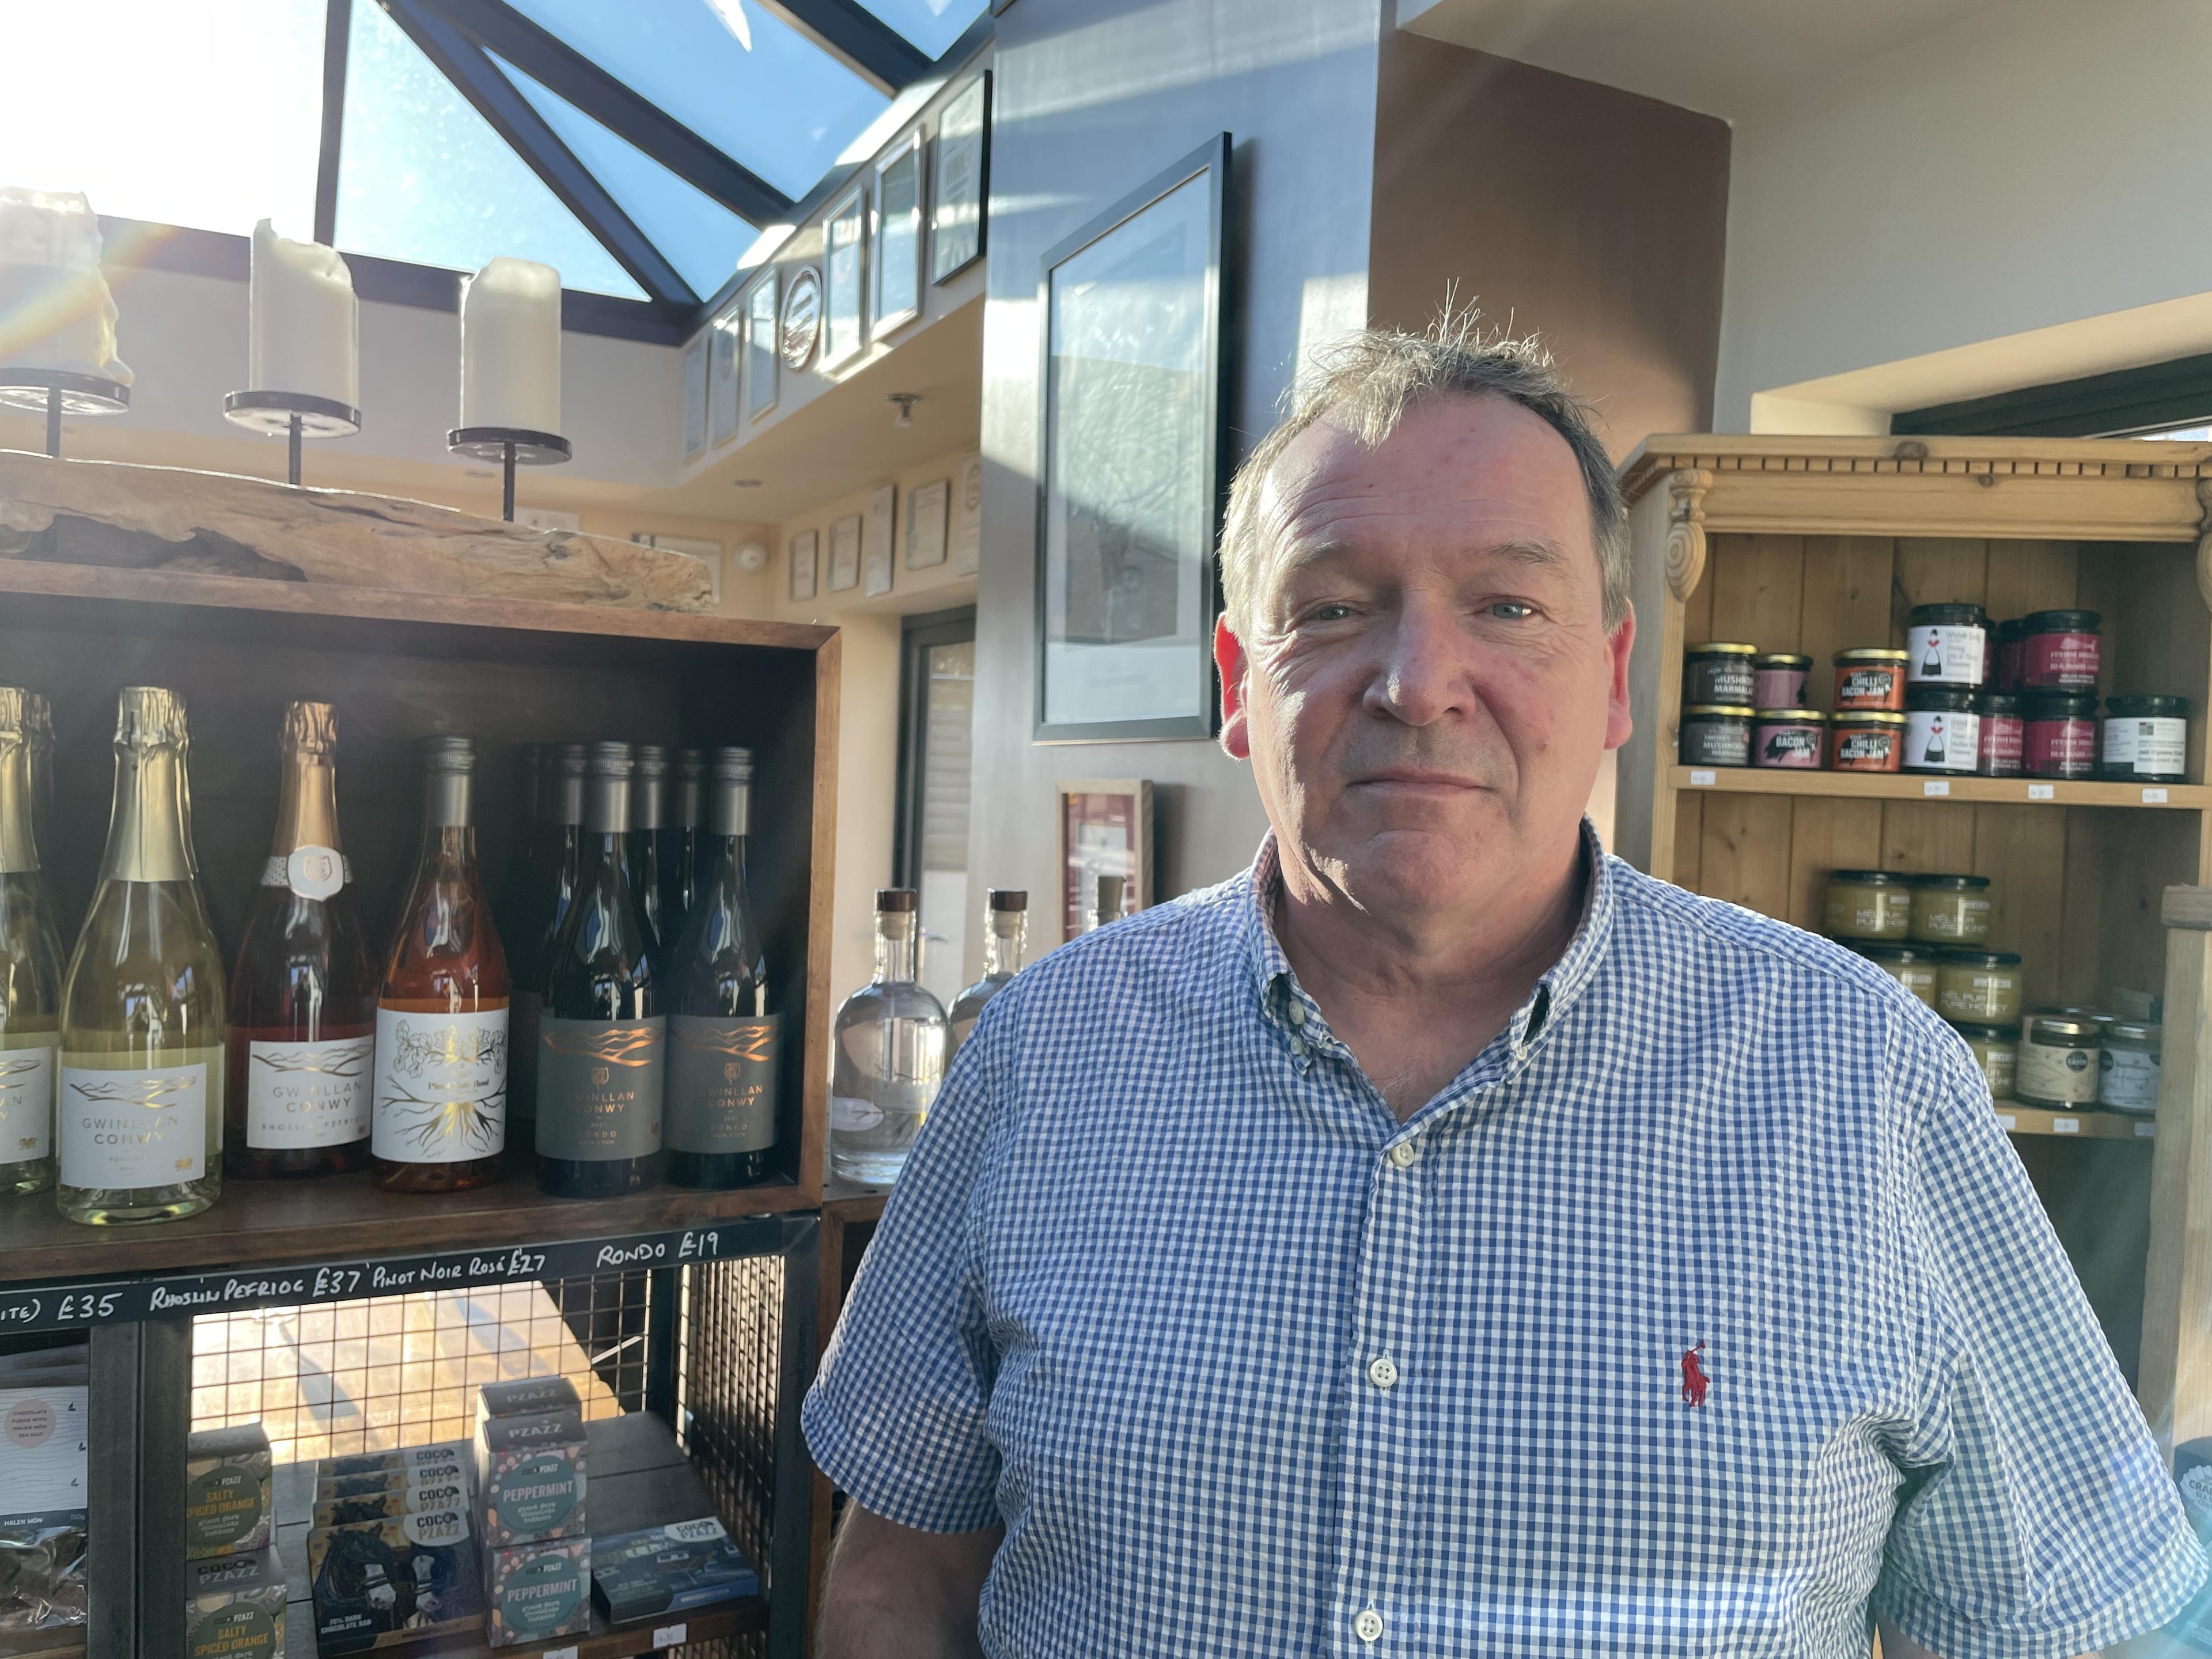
(2039, 164)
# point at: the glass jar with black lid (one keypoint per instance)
(2145, 739)
(1942, 733)
(1947, 645)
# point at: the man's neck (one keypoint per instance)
(1416, 998)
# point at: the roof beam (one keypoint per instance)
(862, 41)
(500, 101)
(559, 68)
(338, 34)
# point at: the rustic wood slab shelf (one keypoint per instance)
(1862, 786)
(2088, 1123)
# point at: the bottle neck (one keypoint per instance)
(1002, 947)
(647, 799)
(898, 947)
(606, 809)
(146, 835)
(564, 800)
(307, 805)
(19, 852)
(731, 814)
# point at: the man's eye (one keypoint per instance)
(1511, 610)
(1328, 613)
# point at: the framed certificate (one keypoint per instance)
(844, 278)
(897, 240)
(760, 353)
(878, 530)
(694, 397)
(962, 181)
(1105, 828)
(725, 336)
(845, 554)
(924, 524)
(803, 548)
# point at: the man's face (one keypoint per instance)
(1428, 686)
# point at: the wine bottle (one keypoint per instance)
(140, 1119)
(680, 836)
(303, 992)
(1006, 934)
(439, 1118)
(30, 963)
(720, 1118)
(648, 799)
(560, 831)
(602, 1040)
(38, 723)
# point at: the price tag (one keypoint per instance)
(569, 1652)
(2145, 1131)
(1700, 779)
(2154, 798)
(2042, 791)
(2066, 1125)
(1936, 786)
(2006, 1121)
(669, 1636)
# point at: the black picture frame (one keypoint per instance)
(1188, 460)
(954, 246)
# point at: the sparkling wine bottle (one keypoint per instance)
(720, 1119)
(553, 886)
(303, 992)
(889, 1054)
(30, 964)
(602, 1039)
(140, 1118)
(439, 1115)
(1007, 932)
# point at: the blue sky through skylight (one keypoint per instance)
(931, 24)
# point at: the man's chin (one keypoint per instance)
(1421, 864)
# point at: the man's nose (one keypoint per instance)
(1422, 676)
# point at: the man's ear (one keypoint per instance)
(1620, 647)
(1229, 659)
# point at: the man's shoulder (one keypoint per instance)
(1169, 950)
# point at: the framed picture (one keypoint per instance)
(924, 524)
(844, 278)
(694, 397)
(845, 553)
(961, 184)
(802, 320)
(1129, 496)
(760, 326)
(726, 336)
(803, 548)
(897, 234)
(968, 518)
(1105, 828)
(878, 530)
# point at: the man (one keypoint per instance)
(1441, 1238)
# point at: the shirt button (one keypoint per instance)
(1368, 1626)
(1297, 1012)
(1383, 1372)
(1405, 1155)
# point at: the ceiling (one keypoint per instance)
(1721, 57)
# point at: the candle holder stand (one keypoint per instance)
(292, 416)
(511, 446)
(59, 392)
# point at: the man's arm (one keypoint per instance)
(895, 1593)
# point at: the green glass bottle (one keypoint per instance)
(30, 963)
(139, 1126)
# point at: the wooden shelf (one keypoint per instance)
(851, 1201)
(341, 1218)
(62, 1642)
(2090, 1124)
(1900, 785)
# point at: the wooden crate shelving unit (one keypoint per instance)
(399, 666)
(1818, 544)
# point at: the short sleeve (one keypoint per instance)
(896, 1416)
(2041, 1522)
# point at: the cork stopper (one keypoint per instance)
(895, 900)
(1010, 898)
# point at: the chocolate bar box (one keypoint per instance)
(379, 1582)
(401, 1496)
(531, 1477)
(226, 1508)
(526, 1397)
(690, 1564)
(234, 1607)
(380, 1472)
(536, 1592)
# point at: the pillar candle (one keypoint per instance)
(306, 335)
(511, 347)
(54, 310)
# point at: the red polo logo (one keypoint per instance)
(1694, 1377)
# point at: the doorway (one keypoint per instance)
(937, 709)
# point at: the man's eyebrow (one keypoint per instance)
(1529, 550)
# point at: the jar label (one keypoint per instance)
(1870, 751)
(1942, 741)
(2004, 745)
(1789, 746)
(1778, 688)
(1717, 743)
(1867, 688)
(27, 1095)
(2150, 746)
(721, 1084)
(2067, 1076)
(2129, 1079)
(1722, 679)
(308, 1094)
(599, 1087)
(440, 1086)
(1946, 656)
(2062, 748)
(133, 1127)
(2069, 659)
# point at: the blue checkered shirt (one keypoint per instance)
(1707, 1311)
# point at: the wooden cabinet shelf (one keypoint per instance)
(1863, 785)
(2089, 1123)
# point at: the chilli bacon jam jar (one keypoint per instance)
(1868, 741)
(1871, 678)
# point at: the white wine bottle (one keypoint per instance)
(139, 1125)
(30, 963)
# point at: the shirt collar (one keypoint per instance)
(1286, 1005)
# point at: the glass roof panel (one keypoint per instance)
(233, 88)
(931, 24)
(423, 177)
(743, 80)
(697, 234)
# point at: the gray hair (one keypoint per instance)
(1370, 382)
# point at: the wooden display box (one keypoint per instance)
(1819, 544)
(399, 666)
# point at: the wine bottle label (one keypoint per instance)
(27, 1095)
(314, 872)
(599, 1087)
(308, 1094)
(132, 1126)
(440, 1086)
(721, 1084)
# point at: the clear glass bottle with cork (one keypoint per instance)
(1004, 934)
(888, 1049)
